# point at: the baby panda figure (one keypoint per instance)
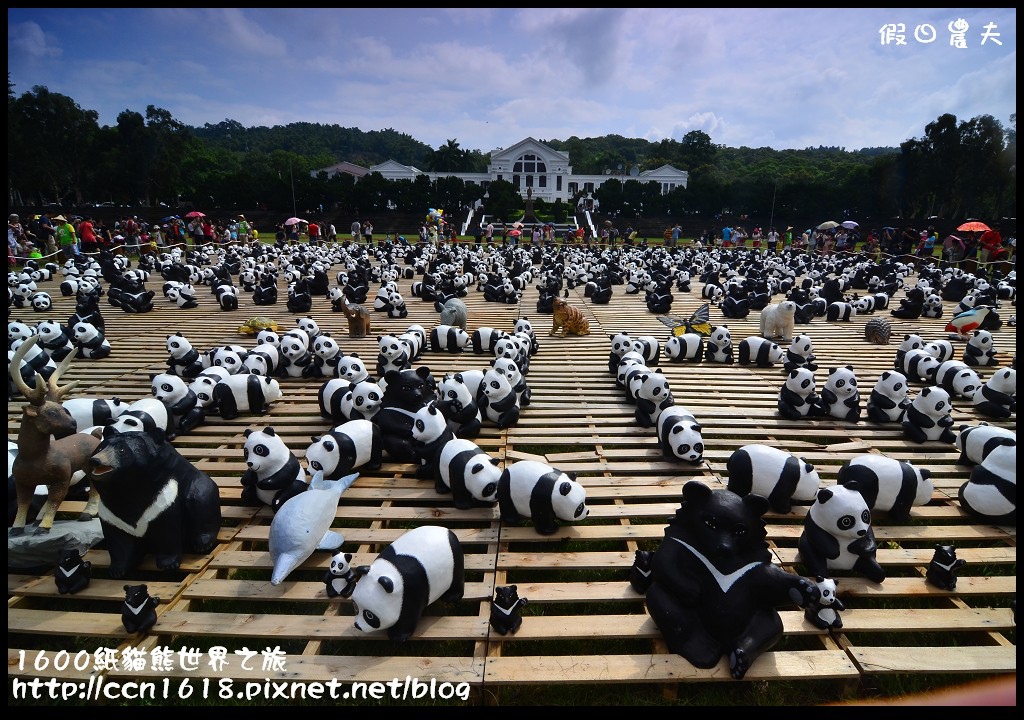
(296, 359)
(138, 611)
(245, 393)
(824, 612)
(498, 401)
(545, 495)
(326, 356)
(888, 485)
(181, 403)
(839, 396)
(719, 345)
(184, 359)
(505, 607)
(430, 433)
(345, 448)
(758, 351)
(204, 385)
(458, 403)
(932, 307)
(679, 435)
(777, 475)
(468, 473)
(800, 354)
(837, 534)
(72, 573)
(515, 377)
(653, 397)
(943, 567)
(90, 341)
(798, 397)
(621, 344)
(273, 473)
(920, 365)
(909, 342)
(340, 578)
(990, 493)
(998, 397)
(980, 349)
(928, 417)
(688, 346)
(351, 368)
(393, 354)
(889, 398)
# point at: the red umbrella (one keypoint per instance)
(515, 233)
(974, 226)
(195, 214)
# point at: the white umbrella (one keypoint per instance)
(294, 221)
(828, 225)
(850, 225)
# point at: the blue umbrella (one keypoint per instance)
(171, 217)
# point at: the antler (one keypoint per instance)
(59, 392)
(36, 395)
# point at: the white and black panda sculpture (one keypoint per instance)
(929, 417)
(448, 338)
(263, 360)
(181, 402)
(679, 435)
(146, 415)
(54, 339)
(798, 396)
(90, 341)
(468, 473)
(184, 359)
(889, 398)
(498, 401)
(95, 411)
(997, 398)
(775, 474)
(839, 396)
(838, 535)
(920, 366)
(273, 474)
(980, 349)
(245, 393)
(719, 345)
(430, 433)
(800, 354)
(653, 397)
(458, 401)
(545, 495)
(990, 494)
(888, 485)
(958, 378)
(685, 347)
(758, 351)
(352, 445)
(423, 566)
(976, 442)
(352, 368)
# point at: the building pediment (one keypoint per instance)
(529, 145)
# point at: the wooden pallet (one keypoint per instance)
(584, 625)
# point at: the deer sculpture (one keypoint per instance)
(50, 448)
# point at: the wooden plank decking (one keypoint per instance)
(584, 624)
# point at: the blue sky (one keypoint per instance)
(487, 78)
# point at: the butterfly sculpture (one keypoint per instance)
(699, 322)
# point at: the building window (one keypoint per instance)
(558, 183)
(499, 176)
(573, 187)
(529, 181)
(515, 182)
(528, 164)
(588, 187)
(543, 181)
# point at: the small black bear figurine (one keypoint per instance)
(505, 608)
(138, 612)
(942, 569)
(640, 573)
(72, 572)
(340, 578)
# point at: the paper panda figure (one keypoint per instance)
(326, 355)
(430, 433)
(943, 567)
(184, 296)
(910, 342)
(976, 442)
(90, 341)
(245, 393)
(689, 346)
(800, 354)
(88, 412)
(448, 338)
(824, 612)
(537, 491)
(72, 573)
(998, 397)
(798, 397)
(35, 361)
(837, 534)
(941, 350)
(296, 359)
(758, 351)
(423, 566)
(635, 376)
(648, 346)
(138, 611)
(227, 296)
(41, 301)
(653, 397)
(268, 337)
(516, 379)
(393, 355)
(505, 607)
(457, 401)
(229, 357)
(184, 359)
(920, 365)
(340, 578)
(146, 415)
(719, 345)
(621, 344)
(273, 474)
(181, 402)
(346, 447)
(352, 368)
(840, 311)
(775, 474)
(958, 378)
(929, 417)
(468, 473)
(263, 360)
(839, 396)
(204, 384)
(889, 398)
(679, 435)
(990, 494)
(980, 349)
(932, 307)
(888, 485)
(498, 401)
(309, 326)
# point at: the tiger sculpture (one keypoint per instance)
(569, 319)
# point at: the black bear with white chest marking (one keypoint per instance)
(505, 617)
(138, 611)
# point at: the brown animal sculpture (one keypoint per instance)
(358, 320)
(50, 448)
(568, 319)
